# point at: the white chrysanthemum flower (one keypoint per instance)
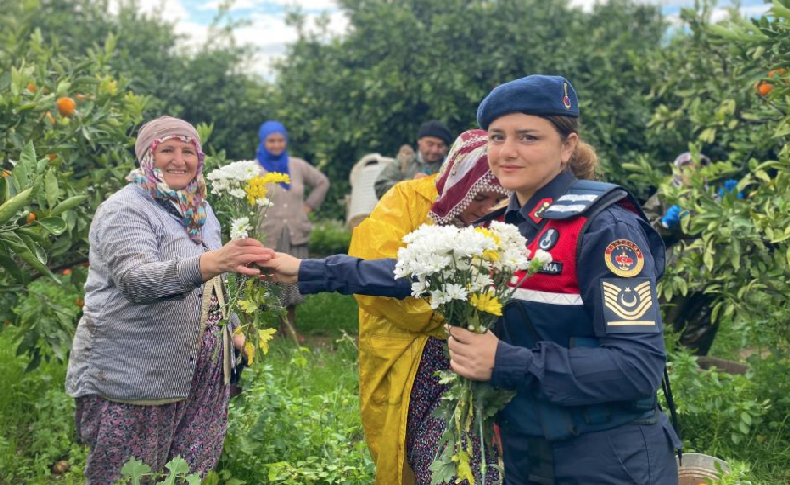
(480, 282)
(238, 193)
(264, 202)
(418, 287)
(543, 256)
(437, 298)
(454, 291)
(239, 228)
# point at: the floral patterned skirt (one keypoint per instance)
(193, 429)
(423, 431)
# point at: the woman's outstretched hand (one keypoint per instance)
(472, 354)
(284, 267)
(235, 257)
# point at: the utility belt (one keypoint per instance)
(530, 459)
(530, 414)
(536, 417)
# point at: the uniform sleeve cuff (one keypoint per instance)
(312, 274)
(188, 271)
(510, 366)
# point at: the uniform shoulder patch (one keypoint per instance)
(624, 258)
(630, 305)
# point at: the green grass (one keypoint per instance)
(312, 392)
(328, 315)
(36, 421)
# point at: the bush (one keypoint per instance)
(738, 250)
(36, 421)
(315, 398)
(740, 418)
(329, 237)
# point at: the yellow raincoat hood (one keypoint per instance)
(392, 333)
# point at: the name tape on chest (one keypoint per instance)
(630, 305)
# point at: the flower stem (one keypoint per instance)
(483, 464)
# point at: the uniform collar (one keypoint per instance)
(540, 201)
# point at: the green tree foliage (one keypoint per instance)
(408, 61)
(212, 83)
(73, 112)
(727, 95)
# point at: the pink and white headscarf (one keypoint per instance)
(463, 175)
(189, 201)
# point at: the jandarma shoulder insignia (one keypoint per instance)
(624, 258)
(629, 305)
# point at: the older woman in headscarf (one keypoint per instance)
(286, 222)
(401, 342)
(150, 363)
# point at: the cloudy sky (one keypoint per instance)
(269, 35)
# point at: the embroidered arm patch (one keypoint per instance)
(630, 305)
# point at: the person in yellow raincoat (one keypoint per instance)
(401, 342)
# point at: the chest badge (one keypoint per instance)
(624, 258)
(549, 239)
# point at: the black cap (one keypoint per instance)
(435, 128)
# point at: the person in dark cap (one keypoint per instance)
(581, 344)
(433, 142)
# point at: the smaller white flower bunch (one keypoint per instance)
(240, 192)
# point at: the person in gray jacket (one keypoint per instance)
(150, 364)
(433, 143)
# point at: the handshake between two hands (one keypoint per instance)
(247, 257)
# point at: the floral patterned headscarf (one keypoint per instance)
(189, 201)
(463, 175)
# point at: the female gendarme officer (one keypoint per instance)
(582, 342)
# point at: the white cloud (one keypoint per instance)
(172, 10)
(237, 5)
(270, 35)
(307, 4)
(719, 14)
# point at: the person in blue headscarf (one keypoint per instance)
(286, 223)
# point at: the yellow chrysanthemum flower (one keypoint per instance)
(491, 255)
(256, 189)
(488, 233)
(487, 302)
(276, 178)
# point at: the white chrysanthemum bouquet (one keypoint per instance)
(464, 273)
(241, 192)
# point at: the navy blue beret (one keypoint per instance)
(537, 95)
